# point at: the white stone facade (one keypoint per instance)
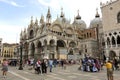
(46, 39)
(111, 27)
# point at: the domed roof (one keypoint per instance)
(62, 19)
(96, 21)
(79, 23)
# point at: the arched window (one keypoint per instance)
(113, 40)
(31, 34)
(118, 39)
(118, 17)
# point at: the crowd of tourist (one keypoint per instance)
(91, 64)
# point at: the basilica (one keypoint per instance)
(62, 39)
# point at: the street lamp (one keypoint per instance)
(21, 46)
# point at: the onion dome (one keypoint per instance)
(96, 21)
(62, 14)
(78, 22)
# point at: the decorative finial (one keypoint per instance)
(97, 15)
(78, 16)
(31, 20)
(62, 15)
(42, 19)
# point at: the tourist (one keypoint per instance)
(109, 67)
(4, 68)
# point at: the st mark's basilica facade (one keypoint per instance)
(61, 39)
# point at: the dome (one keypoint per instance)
(62, 19)
(95, 22)
(79, 24)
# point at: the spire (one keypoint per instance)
(97, 14)
(62, 15)
(48, 14)
(78, 16)
(24, 30)
(31, 23)
(42, 19)
(36, 22)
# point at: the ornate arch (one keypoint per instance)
(39, 47)
(69, 30)
(31, 34)
(118, 17)
(45, 42)
(61, 43)
(72, 44)
(52, 42)
(32, 49)
(57, 28)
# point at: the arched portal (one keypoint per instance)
(61, 43)
(61, 48)
(52, 42)
(112, 55)
(32, 50)
(39, 50)
(26, 50)
(72, 44)
(51, 49)
(39, 47)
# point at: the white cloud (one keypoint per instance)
(53, 3)
(11, 3)
(10, 33)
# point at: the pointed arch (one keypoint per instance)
(113, 40)
(39, 47)
(118, 39)
(31, 34)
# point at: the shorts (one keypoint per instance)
(109, 72)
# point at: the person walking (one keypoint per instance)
(50, 64)
(4, 68)
(109, 67)
(44, 66)
(38, 66)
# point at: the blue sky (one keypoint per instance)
(15, 15)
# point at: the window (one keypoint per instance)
(118, 17)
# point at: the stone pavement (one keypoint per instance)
(71, 73)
